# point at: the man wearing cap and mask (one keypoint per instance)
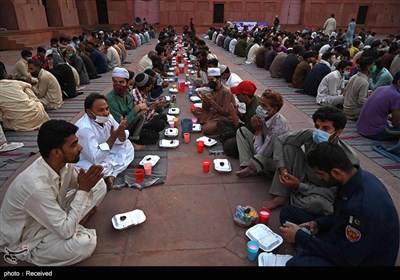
(227, 128)
(121, 104)
(104, 141)
(230, 80)
(216, 104)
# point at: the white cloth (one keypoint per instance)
(251, 56)
(329, 26)
(232, 45)
(113, 58)
(214, 72)
(329, 90)
(93, 137)
(119, 72)
(39, 212)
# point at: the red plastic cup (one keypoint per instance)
(182, 86)
(200, 146)
(186, 137)
(139, 175)
(263, 215)
(192, 107)
(206, 165)
(147, 168)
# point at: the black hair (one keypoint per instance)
(91, 98)
(131, 74)
(327, 113)
(40, 49)
(52, 134)
(364, 62)
(35, 63)
(26, 53)
(327, 156)
(396, 77)
(342, 64)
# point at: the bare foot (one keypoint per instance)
(246, 172)
(109, 182)
(138, 147)
(275, 202)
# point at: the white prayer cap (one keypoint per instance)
(48, 52)
(214, 72)
(101, 32)
(119, 72)
(223, 68)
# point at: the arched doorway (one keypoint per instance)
(149, 9)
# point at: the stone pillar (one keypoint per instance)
(22, 15)
(87, 12)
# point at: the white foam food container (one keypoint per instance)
(207, 141)
(173, 111)
(222, 165)
(196, 127)
(171, 68)
(153, 159)
(170, 73)
(165, 143)
(198, 105)
(128, 219)
(203, 89)
(195, 98)
(173, 90)
(170, 118)
(167, 98)
(266, 238)
(270, 259)
(171, 132)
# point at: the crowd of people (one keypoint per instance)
(315, 175)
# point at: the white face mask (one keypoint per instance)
(101, 119)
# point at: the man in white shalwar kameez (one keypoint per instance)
(42, 208)
(104, 140)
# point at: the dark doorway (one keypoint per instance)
(102, 12)
(362, 14)
(218, 13)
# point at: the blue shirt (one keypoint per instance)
(362, 231)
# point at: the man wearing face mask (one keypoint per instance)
(47, 89)
(294, 180)
(331, 87)
(230, 80)
(77, 62)
(216, 104)
(104, 141)
(121, 104)
(380, 76)
(256, 150)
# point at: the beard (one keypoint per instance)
(76, 159)
(332, 182)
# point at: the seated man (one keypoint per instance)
(104, 141)
(43, 206)
(21, 68)
(356, 91)
(256, 150)
(362, 231)
(64, 76)
(47, 89)
(121, 104)
(20, 109)
(380, 76)
(294, 180)
(330, 90)
(227, 128)
(380, 116)
(216, 104)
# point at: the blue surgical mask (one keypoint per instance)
(261, 112)
(346, 74)
(320, 136)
